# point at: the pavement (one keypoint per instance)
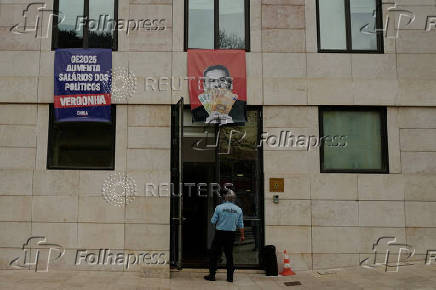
(410, 277)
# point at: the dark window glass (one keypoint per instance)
(354, 140)
(217, 24)
(81, 145)
(85, 24)
(350, 25)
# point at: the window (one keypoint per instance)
(86, 24)
(354, 139)
(217, 24)
(350, 26)
(81, 145)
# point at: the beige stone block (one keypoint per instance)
(151, 40)
(16, 182)
(12, 14)
(55, 182)
(151, 10)
(45, 90)
(370, 235)
(46, 67)
(283, 2)
(334, 186)
(284, 65)
(101, 236)
(284, 91)
(330, 240)
(151, 90)
(256, 25)
(330, 92)
(420, 187)
(418, 162)
(63, 234)
(149, 137)
(283, 40)
(97, 209)
(293, 239)
(150, 64)
(329, 261)
(91, 182)
(179, 82)
(393, 140)
(290, 162)
(416, 66)
(148, 159)
(19, 42)
(381, 186)
(374, 66)
(416, 41)
(419, 117)
(290, 116)
(15, 208)
(19, 63)
(284, 139)
(54, 208)
(413, 92)
(143, 236)
(178, 25)
(311, 26)
(422, 239)
(299, 261)
(14, 234)
(7, 254)
(17, 136)
(288, 213)
(420, 214)
(14, 114)
(149, 115)
(283, 16)
(146, 179)
(254, 79)
(375, 92)
(17, 158)
(381, 213)
(418, 139)
(121, 138)
(42, 137)
(328, 65)
(151, 210)
(18, 89)
(296, 187)
(334, 213)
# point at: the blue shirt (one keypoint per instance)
(227, 217)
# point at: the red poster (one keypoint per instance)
(217, 85)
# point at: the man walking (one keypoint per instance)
(227, 218)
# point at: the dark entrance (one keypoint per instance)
(208, 155)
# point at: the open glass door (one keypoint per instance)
(176, 222)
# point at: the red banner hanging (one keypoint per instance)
(217, 85)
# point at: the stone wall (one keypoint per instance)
(323, 220)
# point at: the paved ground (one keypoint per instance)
(410, 277)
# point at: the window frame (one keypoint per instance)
(216, 25)
(85, 44)
(348, 35)
(382, 111)
(50, 143)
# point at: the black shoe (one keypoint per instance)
(229, 279)
(209, 278)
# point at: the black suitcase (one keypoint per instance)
(270, 260)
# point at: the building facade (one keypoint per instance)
(306, 74)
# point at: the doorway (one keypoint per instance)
(204, 156)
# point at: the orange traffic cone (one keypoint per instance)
(287, 271)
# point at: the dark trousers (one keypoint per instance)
(223, 239)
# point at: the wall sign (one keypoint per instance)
(217, 85)
(276, 185)
(82, 85)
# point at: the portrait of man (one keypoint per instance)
(219, 94)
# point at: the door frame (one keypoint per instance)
(177, 246)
